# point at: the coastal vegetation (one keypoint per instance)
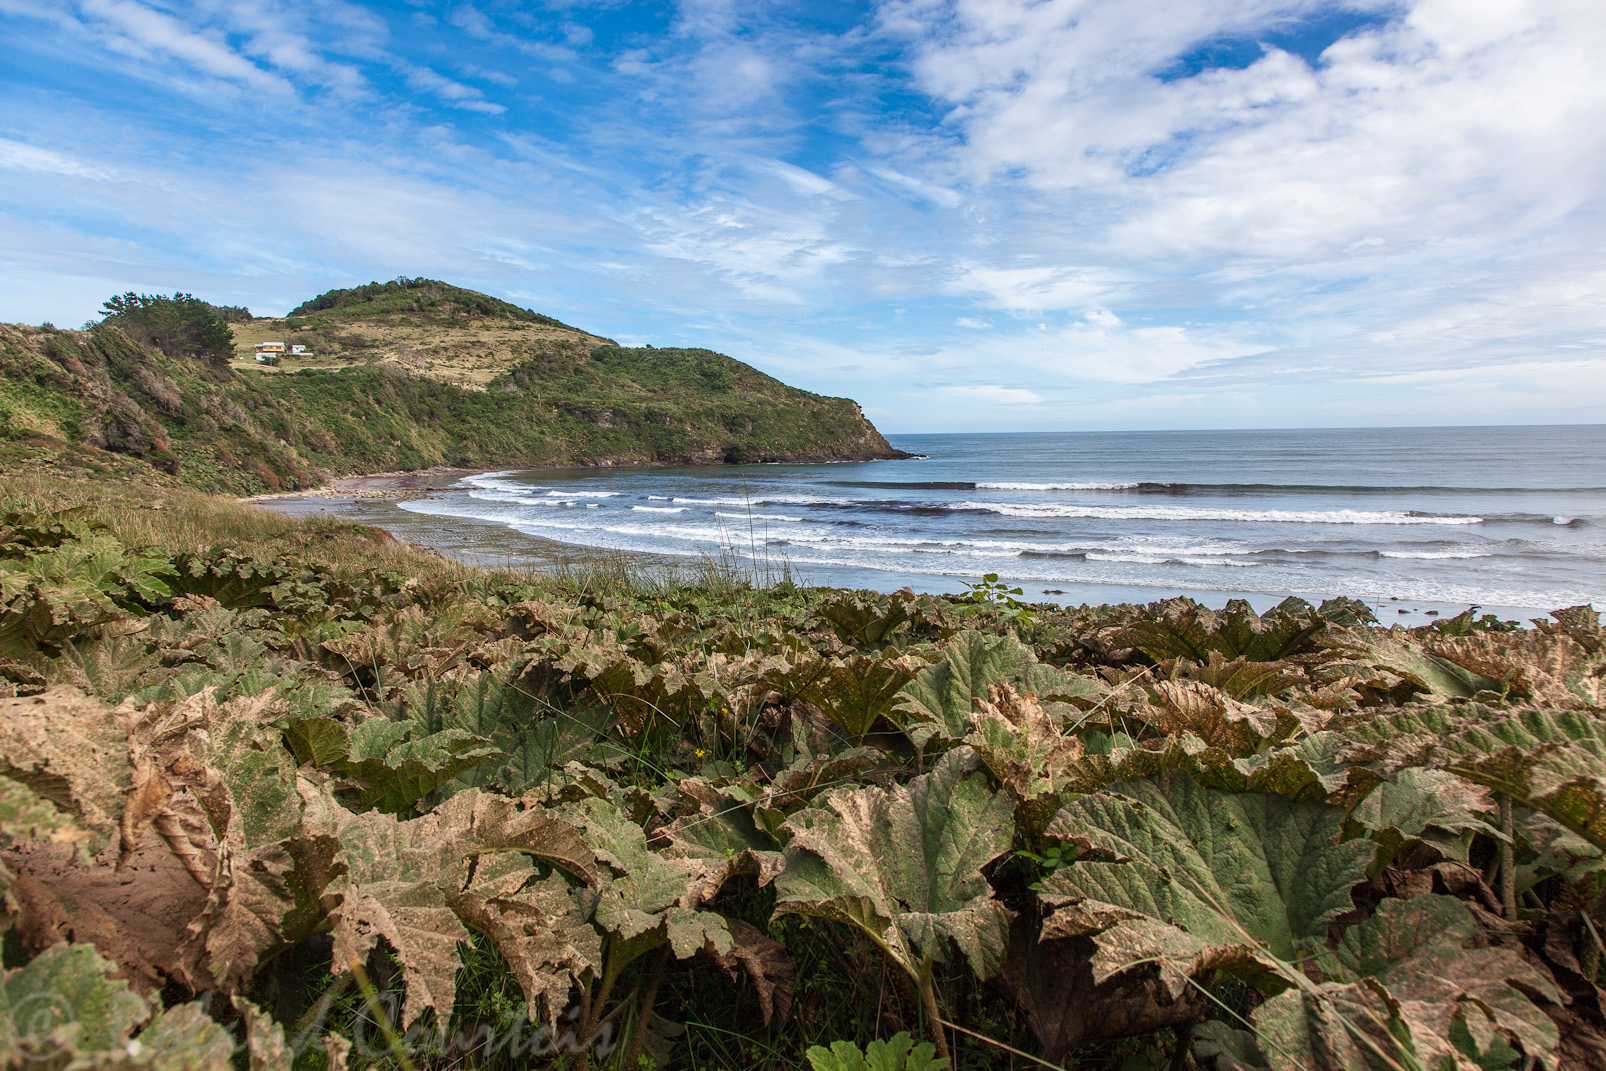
(279, 794)
(402, 375)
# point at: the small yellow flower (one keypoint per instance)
(701, 753)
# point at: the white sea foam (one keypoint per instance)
(756, 516)
(1434, 555)
(1157, 559)
(659, 509)
(1055, 486)
(1193, 513)
(583, 494)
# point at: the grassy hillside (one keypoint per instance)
(403, 376)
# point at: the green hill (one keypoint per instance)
(401, 375)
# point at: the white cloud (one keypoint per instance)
(992, 394)
(1424, 201)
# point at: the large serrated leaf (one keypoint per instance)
(62, 1003)
(939, 701)
(854, 691)
(1190, 877)
(420, 883)
(905, 865)
(1551, 761)
(65, 747)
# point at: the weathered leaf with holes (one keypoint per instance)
(227, 758)
(766, 963)
(1189, 877)
(1424, 952)
(64, 746)
(940, 699)
(1215, 717)
(1023, 747)
(1546, 667)
(417, 883)
(905, 864)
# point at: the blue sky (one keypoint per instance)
(968, 216)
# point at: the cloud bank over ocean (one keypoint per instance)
(968, 216)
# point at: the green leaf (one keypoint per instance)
(1191, 877)
(905, 865)
(854, 691)
(62, 1003)
(939, 701)
(316, 741)
(1551, 761)
(897, 1053)
(647, 899)
(399, 764)
(1382, 660)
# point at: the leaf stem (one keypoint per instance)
(1508, 860)
(928, 996)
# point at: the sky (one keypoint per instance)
(980, 215)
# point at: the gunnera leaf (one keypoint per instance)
(215, 783)
(766, 963)
(1424, 805)
(856, 690)
(1239, 678)
(1551, 761)
(1182, 628)
(904, 865)
(1384, 659)
(69, 749)
(1023, 747)
(1216, 717)
(61, 1004)
(863, 618)
(25, 815)
(1548, 668)
(939, 701)
(417, 883)
(646, 898)
(1425, 952)
(398, 763)
(1410, 987)
(1189, 877)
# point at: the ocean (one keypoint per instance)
(1410, 520)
